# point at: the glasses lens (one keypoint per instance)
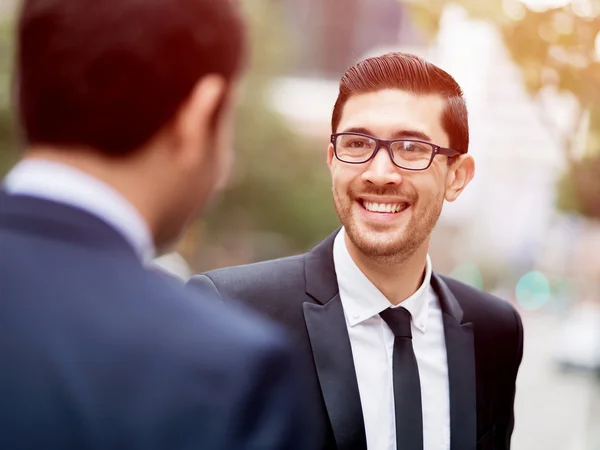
(412, 155)
(353, 148)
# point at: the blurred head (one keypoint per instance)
(389, 211)
(138, 92)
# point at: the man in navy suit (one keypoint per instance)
(126, 108)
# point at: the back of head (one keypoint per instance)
(413, 74)
(108, 74)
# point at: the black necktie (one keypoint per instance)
(407, 387)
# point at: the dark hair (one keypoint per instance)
(413, 74)
(109, 74)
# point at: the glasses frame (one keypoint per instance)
(387, 143)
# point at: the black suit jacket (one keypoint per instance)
(484, 340)
(96, 352)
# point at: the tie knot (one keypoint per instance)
(398, 319)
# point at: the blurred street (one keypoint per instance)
(552, 406)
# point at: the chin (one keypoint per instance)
(373, 242)
(384, 245)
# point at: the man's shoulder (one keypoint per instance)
(175, 353)
(260, 269)
(127, 310)
(257, 278)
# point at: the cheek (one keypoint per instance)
(338, 180)
(343, 178)
(430, 191)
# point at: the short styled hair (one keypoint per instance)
(412, 74)
(109, 74)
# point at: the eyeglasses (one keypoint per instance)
(409, 154)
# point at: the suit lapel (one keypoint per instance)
(335, 367)
(460, 349)
(331, 348)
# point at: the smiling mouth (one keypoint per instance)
(393, 208)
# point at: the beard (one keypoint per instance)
(379, 242)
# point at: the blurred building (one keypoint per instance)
(331, 35)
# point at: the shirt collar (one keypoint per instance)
(64, 184)
(362, 300)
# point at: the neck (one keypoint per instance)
(396, 280)
(126, 175)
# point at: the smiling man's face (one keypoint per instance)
(388, 212)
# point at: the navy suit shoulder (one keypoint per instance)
(99, 352)
(270, 287)
(259, 283)
(257, 278)
(263, 279)
(267, 287)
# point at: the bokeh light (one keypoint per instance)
(533, 291)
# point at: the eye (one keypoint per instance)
(356, 143)
(410, 146)
(415, 147)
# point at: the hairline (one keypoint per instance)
(445, 98)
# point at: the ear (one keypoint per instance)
(193, 124)
(460, 174)
(330, 155)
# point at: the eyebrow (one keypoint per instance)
(401, 134)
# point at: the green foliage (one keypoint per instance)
(282, 185)
(579, 190)
(567, 198)
(7, 127)
(557, 46)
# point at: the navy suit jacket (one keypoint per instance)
(97, 352)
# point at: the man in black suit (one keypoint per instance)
(401, 357)
(126, 108)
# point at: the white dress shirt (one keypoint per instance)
(64, 184)
(372, 344)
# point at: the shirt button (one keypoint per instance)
(355, 316)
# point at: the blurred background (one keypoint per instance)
(527, 229)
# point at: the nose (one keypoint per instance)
(381, 170)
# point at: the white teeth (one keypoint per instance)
(384, 207)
